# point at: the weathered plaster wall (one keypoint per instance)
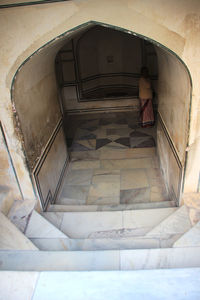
(174, 89)
(175, 24)
(35, 98)
(8, 184)
(191, 27)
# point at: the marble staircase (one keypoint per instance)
(129, 240)
(80, 255)
(109, 260)
(104, 240)
(108, 224)
(110, 230)
(152, 241)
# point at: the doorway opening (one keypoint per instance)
(104, 63)
(109, 160)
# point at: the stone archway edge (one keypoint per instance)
(10, 5)
(124, 15)
(63, 35)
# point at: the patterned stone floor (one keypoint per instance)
(113, 161)
(116, 131)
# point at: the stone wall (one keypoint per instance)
(36, 102)
(174, 90)
(23, 30)
(10, 190)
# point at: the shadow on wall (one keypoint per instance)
(102, 63)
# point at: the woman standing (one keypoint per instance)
(145, 96)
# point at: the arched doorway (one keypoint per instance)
(40, 117)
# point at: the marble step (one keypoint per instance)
(39, 227)
(191, 238)
(187, 257)
(120, 207)
(107, 224)
(58, 244)
(128, 153)
(11, 238)
(176, 223)
(127, 285)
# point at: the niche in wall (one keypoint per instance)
(34, 95)
(104, 64)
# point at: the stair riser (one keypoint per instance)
(100, 260)
(114, 224)
(102, 244)
(92, 208)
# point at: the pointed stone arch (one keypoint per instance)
(167, 137)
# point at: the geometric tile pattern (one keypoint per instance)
(104, 169)
(101, 142)
(119, 130)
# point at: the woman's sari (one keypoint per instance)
(146, 112)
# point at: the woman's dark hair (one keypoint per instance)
(145, 72)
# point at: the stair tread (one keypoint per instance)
(119, 285)
(191, 238)
(105, 224)
(97, 285)
(114, 154)
(100, 260)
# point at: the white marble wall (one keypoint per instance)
(170, 164)
(48, 172)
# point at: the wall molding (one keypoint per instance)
(105, 75)
(85, 91)
(126, 74)
(10, 5)
(108, 87)
(103, 109)
(50, 198)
